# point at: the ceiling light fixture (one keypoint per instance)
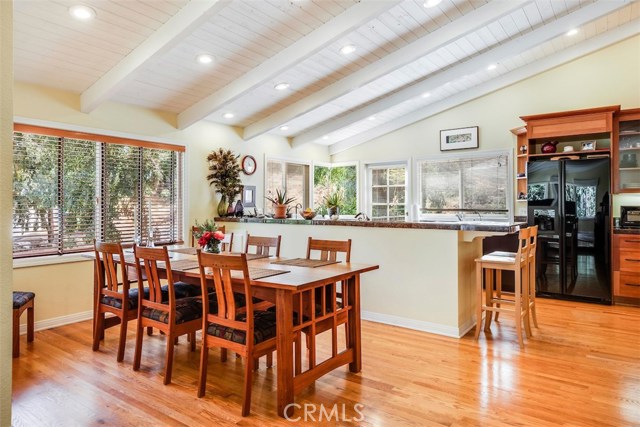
(492, 67)
(281, 86)
(346, 50)
(371, 118)
(426, 94)
(432, 3)
(572, 32)
(285, 127)
(228, 115)
(82, 12)
(325, 137)
(204, 58)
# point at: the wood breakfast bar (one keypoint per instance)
(426, 279)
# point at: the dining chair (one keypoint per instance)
(173, 316)
(330, 301)
(112, 294)
(263, 245)
(497, 262)
(22, 301)
(249, 333)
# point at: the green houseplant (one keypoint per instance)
(280, 202)
(225, 176)
(333, 201)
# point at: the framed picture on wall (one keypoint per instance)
(249, 196)
(457, 139)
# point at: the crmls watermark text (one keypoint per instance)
(319, 413)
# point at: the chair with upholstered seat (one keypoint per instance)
(249, 333)
(173, 316)
(263, 245)
(22, 301)
(495, 263)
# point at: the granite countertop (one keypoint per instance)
(507, 227)
(618, 230)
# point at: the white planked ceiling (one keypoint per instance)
(143, 53)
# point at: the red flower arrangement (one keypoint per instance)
(210, 241)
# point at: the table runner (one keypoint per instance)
(304, 262)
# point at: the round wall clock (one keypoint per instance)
(248, 165)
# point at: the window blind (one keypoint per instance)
(69, 191)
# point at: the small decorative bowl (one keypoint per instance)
(309, 215)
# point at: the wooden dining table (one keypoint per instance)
(286, 288)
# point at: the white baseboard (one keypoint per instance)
(58, 321)
(419, 325)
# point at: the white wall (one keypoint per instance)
(606, 77)
(6, 204)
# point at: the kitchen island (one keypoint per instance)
(426, 279)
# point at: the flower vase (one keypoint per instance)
(213, 248)
(223, 206)
(280, 211)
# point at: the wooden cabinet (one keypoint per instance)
(626, 152)
(626, 268)
(522, 156)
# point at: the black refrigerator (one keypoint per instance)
(569, 201)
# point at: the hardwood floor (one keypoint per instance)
(581, 368)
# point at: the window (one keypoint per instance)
(290, 176)
(387, 192)
(328, 178)
(476, 184)
(71, 188)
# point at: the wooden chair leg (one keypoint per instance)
(16, 333)
(532, 292)
(192, 340)
(269, 359)
(98, 331)
(204, 360)
(524, 295)
(123, 338)
(138, 353)
(30, 322)
(498, 291)
(478, 299)
(149, 330)
(223, 355)
(256, 364)
(246, 394)
(488, 296)
(518, 308)
(168, 363)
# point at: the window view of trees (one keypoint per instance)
(68, 192)
(476, 183)
(388, 193)
(328, 179)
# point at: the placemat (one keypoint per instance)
(256, 256)
(182, 264)
(304, 262)
(188, 251)
(261, 273)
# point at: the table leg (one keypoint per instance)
(355, 326)
(284, 337)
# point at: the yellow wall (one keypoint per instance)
(6, 125)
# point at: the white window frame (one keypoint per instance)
(316, 203)
(288, 160)
(452, 216)
(367, 183)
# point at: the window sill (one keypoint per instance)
(48, 260)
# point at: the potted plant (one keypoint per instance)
(225, 176)
(280, 202)
(333, 202)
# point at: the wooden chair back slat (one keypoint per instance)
(263, 244)
(329, 249)
(147, 259)
(107, 268)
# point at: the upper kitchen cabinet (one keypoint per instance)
(626, 152)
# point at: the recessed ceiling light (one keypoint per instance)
(228, 115)
(204, 58)
(432, 3)
(426, 95)
(325, 137)
(285, 127)
(371, 118)
(572, 32)
(82, 12)
(346, 50)
(492, 67)
(281, 86)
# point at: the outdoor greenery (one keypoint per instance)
(328, 180)
(280, 198)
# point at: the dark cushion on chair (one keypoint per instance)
(264, 323)
(185, 290)
(21, 298)
(187, 309)
(181, 289)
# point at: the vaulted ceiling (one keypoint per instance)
(410, 61)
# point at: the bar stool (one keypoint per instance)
(22, 301)
(496, 262)
(533, 247)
